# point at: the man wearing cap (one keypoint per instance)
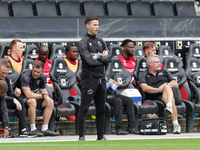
(127, 58)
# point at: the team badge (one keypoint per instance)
(90, 92)
(99, 43)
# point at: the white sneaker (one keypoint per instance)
(168, 111)
(177, 129)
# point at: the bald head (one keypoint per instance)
(43, 53)
(3, 87)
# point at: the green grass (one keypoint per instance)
(153, 144)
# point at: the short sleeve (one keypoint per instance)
(25, 80)
(142, 77)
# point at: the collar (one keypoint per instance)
(91, 36)
(125, 58)
(15, 59)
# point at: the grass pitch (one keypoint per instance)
(151, 144)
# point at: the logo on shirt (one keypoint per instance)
(90, 44)
(38, 82)
(160, 73)
(90, 91)
(49, 65)
(99, 43)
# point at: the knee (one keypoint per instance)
(118, 102)
(32, 102)
(50, 103)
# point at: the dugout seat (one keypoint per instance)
(185, 9)
(31, 52)
(115, 50)
(27, 64)
(116, 71)
(194, 51)
(163, 8)
(5, 50)
(117, 8)
(4, 9)
(93, 8)
(64, 81)
(22, 9)
(179, 75)
(57, 51)
(138, 52)
(165, 51)
(138, 8)
(69, 8)
(46, 8)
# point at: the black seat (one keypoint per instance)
(194, 51)
(117, 8)
(31, 52)
(93, 8)
(171, 65)
(138, 52)
(163, 8)
(5, 50)
(115, 50)
(185, 8)
(57, 51)
(64, 81)
(27, 64)
(4, 11)
(165, 51)
(22, 9)
(79, 70)
(138, 8)
(69, 8)
(46, 8)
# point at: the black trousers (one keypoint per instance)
(92, 88)
(117, 101)
(20, 114)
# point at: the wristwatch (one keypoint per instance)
(43, 95)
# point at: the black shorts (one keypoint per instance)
(39, 102)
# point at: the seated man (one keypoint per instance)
(43, 54)
(30, 82)
(158, 84)
(12, 100)
(71, 57)
(127, 58)
(3, 109)
(150, 48)
(16, 59)
(117, 101)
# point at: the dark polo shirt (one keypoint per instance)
(161, 77)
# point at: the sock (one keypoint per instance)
(169, 104)
(33, 127)
(44, 127)
(175, 123)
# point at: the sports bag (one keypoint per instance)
(152, 126)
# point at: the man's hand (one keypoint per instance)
(160, 88)
(6, 133)
(111, 80)
(105, 52)
(94, 57)
(45, 92)
(17, 103)
(17, 92)
(48, 101)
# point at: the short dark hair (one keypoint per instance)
(89, 19)
(38, 64)
(69, 46)
(148, 45)
(126, 41)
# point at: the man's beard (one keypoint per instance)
(129, 54)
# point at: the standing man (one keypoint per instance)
(95, 56)
(159, 84)
(33, 86)
(16, 58)
(127, 58)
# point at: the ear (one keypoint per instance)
(87, 25)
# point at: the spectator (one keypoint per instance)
(95, 56)
(12, 100)
(117, 101)
(3, 109)
(159, 84)
(16, 58)
(150, 48)
(127, 58)
(43, 54)
(30, 82)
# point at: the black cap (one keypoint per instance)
(125, 42)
